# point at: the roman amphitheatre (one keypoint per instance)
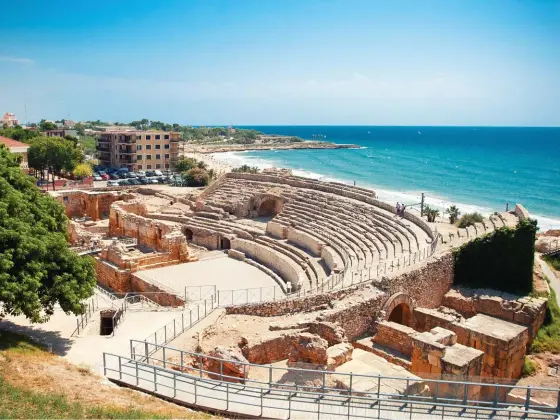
(270, 294)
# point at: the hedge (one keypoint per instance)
(501, 260)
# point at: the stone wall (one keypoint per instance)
(111, 276)
(305, 241)
(525, 310)
(427, 319)
(155, 293)
(426, 284)
(89, 204)
(395, 336)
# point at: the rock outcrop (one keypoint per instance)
(232, 366)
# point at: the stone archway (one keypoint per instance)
(399, 308)
(225, 243)
(188, 234)
(268, 207)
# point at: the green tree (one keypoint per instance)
(185, 164)
(46, 125)
(83, 170)
(54, 155)
(20, 134)
(196, 177)
(431, 214)
(80, 129)
(37, 269)
(453, 213)
(469, 219)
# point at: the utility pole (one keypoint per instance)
(422, 206)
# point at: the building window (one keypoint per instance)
(139, 166)
(158, 157)
(166, 156)
(148, 157)
(166, 146)
(158, 146)
(149, 167)
(138, 157)
(158, 136)
(138, 147)
(158, 166)
(148, 137)
(166, 136)
(138, 137)
(148, 147)
(167, 165)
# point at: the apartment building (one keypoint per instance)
(9, 120)
(138, 150)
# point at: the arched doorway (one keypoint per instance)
(399, 308)
(268, 207)
(400, 314)
(188, 234)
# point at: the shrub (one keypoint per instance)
(453, 213)
(246, 168)
(82, 170)
(470, 219)
(530, 367)
(431, 214)
(196, 177)
(185, 164)
(502, 260)
(548, 337)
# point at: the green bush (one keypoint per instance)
(196, 177)
(470, 219)
(548, 337)
(554, 262)
(246, 168)
(530, 367)
(502, 260)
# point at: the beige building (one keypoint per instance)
(17, 147)
(138, 150)
(10, 120)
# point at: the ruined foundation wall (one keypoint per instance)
(395, 336)
(426, 285)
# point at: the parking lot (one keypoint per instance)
(121, 177)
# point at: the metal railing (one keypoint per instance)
(90, 309)
(277, 391)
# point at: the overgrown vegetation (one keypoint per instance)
(502, 260)
(553, 261)
(247, 169)
(530, 367)
(22, 399)
(37, 269)
(20, 134)
(548, 337)
(469, 219)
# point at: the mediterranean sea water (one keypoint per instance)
(476, 168)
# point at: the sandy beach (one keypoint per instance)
(220, 167)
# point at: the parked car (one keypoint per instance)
(150, 173)
(141, 173)
(104, 176)
(134, 181)
(153, 180)
(97, 178)
(143, 180)
(123, 182)
(157, 172)
(114, 177)
(113, 183)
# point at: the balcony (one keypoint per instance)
(127, 139)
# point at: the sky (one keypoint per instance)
(283, 62)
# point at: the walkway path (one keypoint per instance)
(548, 272)
(253, 401)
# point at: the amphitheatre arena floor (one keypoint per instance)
(226, 273)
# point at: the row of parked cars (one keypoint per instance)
(120, 177)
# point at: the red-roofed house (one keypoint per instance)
(16, 147)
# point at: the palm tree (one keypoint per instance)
(431, 214)
(453, 213)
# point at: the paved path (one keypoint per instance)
(281, 403)
(548, 272)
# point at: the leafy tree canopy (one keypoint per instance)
(46, 125)
(83, 170)
(20, 134)
(37, 269)
(196, 177)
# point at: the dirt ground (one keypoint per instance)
(548, 375)
(45, 373)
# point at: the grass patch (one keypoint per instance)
(18, 343)
(554, 262)
(548, 337)
(530, 367)
(16, 403)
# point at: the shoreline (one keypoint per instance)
(221, 148)
(228, 160)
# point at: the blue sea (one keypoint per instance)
(476, 168)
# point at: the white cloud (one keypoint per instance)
(19, 60)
